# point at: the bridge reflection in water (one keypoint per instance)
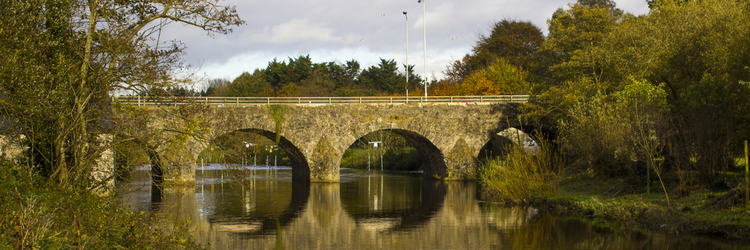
(371, 210)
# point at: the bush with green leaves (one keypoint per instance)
(606, 133)
(36, 214)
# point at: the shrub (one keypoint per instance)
(596, 137)
(607, 133)
(604, 134)
(35, 214)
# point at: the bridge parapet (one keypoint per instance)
(250, 101)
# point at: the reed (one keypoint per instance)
(521, 176)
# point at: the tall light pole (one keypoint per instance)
(424, 27)
(407, 57)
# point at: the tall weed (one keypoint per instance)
(521, 176)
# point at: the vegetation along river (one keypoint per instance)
(373, 210)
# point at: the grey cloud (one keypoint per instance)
(291, 28)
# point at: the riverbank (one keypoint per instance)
(38, 214)
(696, 214)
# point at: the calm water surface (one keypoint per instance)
(258, 208)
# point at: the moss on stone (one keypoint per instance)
(277, 112)
(461, 162)
(324, 156)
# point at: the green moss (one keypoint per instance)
(323, 157)
(397, 117)
(277, 112)
(460, 162)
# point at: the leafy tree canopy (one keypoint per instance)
(513, 41)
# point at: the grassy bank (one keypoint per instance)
(718, 210)
(704, 212)
(36, 214)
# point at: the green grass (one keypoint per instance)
(693, 214)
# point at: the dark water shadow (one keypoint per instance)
(268, 225)
(413, 203)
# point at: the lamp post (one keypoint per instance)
(407, 57)
(424, 28)
(247, 148)
(375, 144)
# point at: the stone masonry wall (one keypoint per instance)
(448, 136)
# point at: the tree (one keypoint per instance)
(344, 74)
(698, 51)
(319, 83)
(609, 5)
(250, 85)
(217, 87)
(383, 77)
(415, 80)
(647, 106)
(64, 58)
(654, 4)
(500, 78)
(568, 68)
(279, 74)
(694, 51)
(443, 88)
(513, 41)
(573, 34)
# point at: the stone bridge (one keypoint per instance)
(448, 136)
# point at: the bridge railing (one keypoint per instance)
(244, 101)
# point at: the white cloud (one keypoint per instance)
(339, 30)
(295, 30)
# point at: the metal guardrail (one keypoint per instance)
(245, 101)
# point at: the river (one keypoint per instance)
(373, 210)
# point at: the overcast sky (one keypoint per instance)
(339, 30)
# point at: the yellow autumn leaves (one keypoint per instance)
(500, 78)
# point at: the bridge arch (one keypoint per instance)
(538, 133)
(433, 161)
(300, 166)
(527, 136)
